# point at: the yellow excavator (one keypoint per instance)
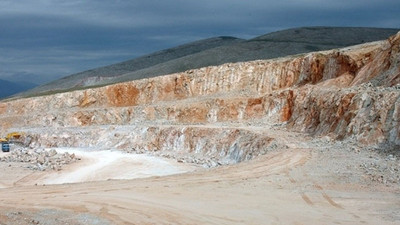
(10, 138)
(14, 136)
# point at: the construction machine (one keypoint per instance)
(14, 136)
(5, 145)
(10, 138)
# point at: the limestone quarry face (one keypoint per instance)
(346, 93)
(317, 134)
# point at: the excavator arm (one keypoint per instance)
(13, 135)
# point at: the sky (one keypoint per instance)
(44, 40)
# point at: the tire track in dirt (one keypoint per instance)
(326, 197)
(306, 199)
(316, 186)
(245, 193)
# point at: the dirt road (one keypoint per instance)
(283, 187)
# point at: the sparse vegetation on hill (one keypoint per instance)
(216, 51)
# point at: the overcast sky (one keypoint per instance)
(42, 40)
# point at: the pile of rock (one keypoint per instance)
(206, 162)
(211, 159)
(40, 159)
(384, 170)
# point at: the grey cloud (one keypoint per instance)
(153, 13)
(52, 38)
(59, 62)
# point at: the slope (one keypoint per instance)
(269, 46)
(89, 77)
(217, 51)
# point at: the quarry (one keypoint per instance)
(312, 138)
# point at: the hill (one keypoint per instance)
(91, 77)
(216, 51)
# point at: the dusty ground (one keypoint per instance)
(313, 181)
(94, 165)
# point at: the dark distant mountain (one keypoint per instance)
(8, 88)
(216, 51)
(91, 77)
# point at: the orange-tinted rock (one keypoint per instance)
(320, 93)
(287, 109)
(150, 113)
(83, 118)
(3, 108)
(255, 108)
(227, 110)
(194, 114)
(125, 94)
(87, 100)
(344, 104)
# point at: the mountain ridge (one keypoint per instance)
(217, 51)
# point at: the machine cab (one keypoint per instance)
(5, 146)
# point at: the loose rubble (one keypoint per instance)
(374, 163)
(47, 216)
(208, 160)
(384, 169)
(40, 159)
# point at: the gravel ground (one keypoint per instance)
(364, 164)
(343, 168)
(49, 217)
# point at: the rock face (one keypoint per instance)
(346, 93)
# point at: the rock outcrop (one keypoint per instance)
(347, 93)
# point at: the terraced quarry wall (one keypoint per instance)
(352, 92)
